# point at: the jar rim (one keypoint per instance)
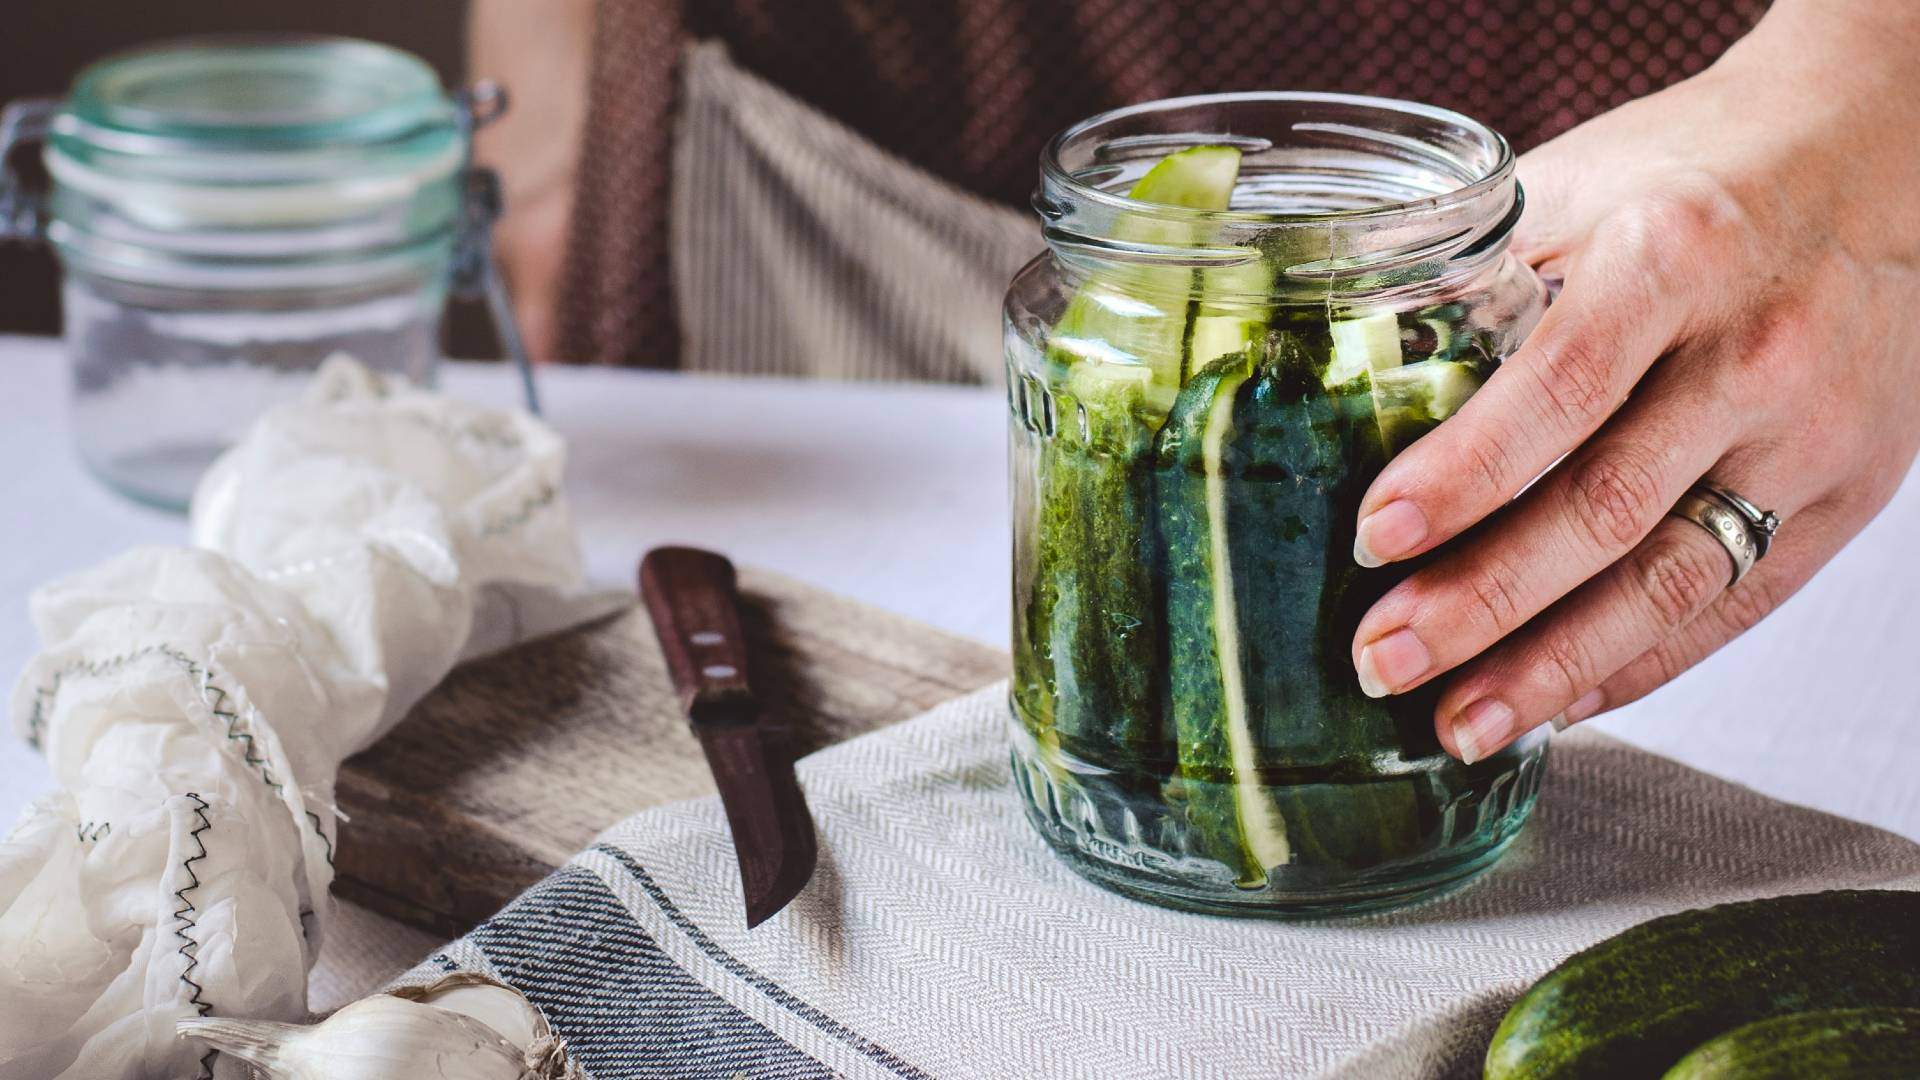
(1336, 192)
(251, 92)
(1486, 178)
(200, 140)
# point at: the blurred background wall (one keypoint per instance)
(46, 41)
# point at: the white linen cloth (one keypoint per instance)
(195, 703)
(940, 938)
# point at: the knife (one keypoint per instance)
(695, 605)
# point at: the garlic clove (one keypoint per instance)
(256, 1042)
(489, 1001)
(465, 1026)
(377, 1038)
(507, 1011)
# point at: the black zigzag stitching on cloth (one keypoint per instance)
(322, 834)
(184, 917)
(43, 696)
(212, 694)
(216, 698)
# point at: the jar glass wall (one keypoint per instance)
(164, 380)
(1204, 379)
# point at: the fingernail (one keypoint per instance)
(1391, 662)
(1587, 705)
(1481, 729)
(1388, 533)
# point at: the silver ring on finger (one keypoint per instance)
(1745, 538)
(1763, 523)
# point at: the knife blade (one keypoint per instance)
(694, 600)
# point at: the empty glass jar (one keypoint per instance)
(227, 213)
(1250, 303)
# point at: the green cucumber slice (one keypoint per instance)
(1410, 400)
(1119, 390)
(1143, 315)
(1197, 178)
(1134, 322)
(1231, 316)
(1362, 344)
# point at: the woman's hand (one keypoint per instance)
(1741, 259)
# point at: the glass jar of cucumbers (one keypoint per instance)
(1249, 303)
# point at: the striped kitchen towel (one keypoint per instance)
(940, 938)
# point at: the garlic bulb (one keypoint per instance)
(464, 1027)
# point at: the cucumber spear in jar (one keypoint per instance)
(1262, 465)
(1091, 678)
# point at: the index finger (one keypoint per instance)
(1615, 317)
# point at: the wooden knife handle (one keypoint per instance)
(695, 605)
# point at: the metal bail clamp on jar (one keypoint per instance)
(228, 213)
(1249, 303)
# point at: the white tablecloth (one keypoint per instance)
(897, 495)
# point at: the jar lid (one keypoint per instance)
(250, 132)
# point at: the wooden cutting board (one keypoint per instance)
(516, 761)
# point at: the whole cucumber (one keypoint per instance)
(1636, 1003)
(1827, 1044)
